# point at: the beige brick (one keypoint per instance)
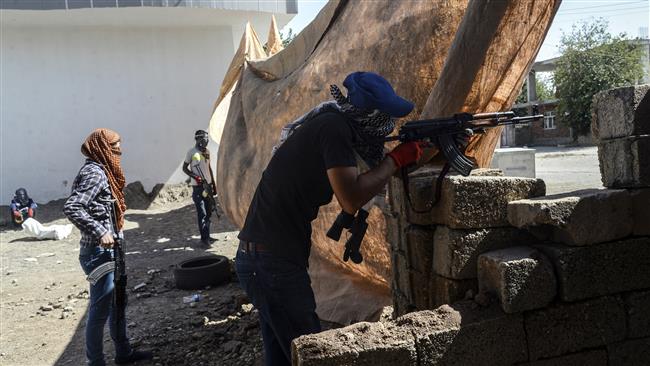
(521, 277)
(602, 269)
(420, 248)
(455, 251)
(634, 352)
(588, 358)
(568, 328)
(637, 305)
(472, 202)
(569, 217)
(625, 162)
(621, 112)
(640, 199)
(447, 291)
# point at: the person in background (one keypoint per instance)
(197, 166)
(22, 207)
(90, 208)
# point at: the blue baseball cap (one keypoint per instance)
(370, 91)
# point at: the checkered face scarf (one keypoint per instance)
(97, 147)
(370, 125)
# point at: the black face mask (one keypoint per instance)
(202, 143)
(21, 196)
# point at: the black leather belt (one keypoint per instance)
(251, 247)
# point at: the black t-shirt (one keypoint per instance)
(295, 184)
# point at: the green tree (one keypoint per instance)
(544, 88)
(286, 39)
(592, 60)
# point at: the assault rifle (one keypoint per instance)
(208, 192)
(444, 134)
(119, 278)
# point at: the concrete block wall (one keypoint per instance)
(523, 278)
(621, 124)
(435, 251)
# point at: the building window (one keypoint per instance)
(549, 120)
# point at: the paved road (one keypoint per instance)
(566, 169)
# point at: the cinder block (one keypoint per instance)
(401, 278)
(637, 305)
(455, 251)
(363, 344)
(568, 328)
(461, 334)
(447, 291)
(588, 358)
(420, 248)
(401, 304)
(476, 336)
(621, 112)
(640, 201)
(569, 217)
(630, 353)
(421, 290)
(472, 202)
(603, 269)
(625, 162)
(521, 277)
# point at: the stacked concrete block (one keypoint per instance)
(621, 123)
(576, 218)
(603, 269)
(522, 278)
(569, 328)
(634, 352)
(472, 202)
(461, 334)
(469, 219)
(591, 358)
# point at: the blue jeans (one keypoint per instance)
(281, 291)
(203, 211)
(100, 309)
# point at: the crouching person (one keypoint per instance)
(22, 207)
(90, 209)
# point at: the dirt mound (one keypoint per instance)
(161, 194)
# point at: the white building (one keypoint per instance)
(149, 69)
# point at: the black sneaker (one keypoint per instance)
(212, 240)
(134, 356)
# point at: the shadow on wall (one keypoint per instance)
(158, 241)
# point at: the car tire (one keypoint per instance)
(197, 273)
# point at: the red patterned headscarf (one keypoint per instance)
(98, 147)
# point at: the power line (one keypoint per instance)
(608, 5)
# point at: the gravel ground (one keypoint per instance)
(44, 295)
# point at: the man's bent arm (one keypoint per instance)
(354, 190)
(187, 171)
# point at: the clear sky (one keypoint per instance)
(623, 16)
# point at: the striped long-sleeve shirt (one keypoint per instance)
(89, 205)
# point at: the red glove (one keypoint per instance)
(30, 212)
(198, 179)
(406, 153)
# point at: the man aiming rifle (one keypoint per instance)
(447, 135)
